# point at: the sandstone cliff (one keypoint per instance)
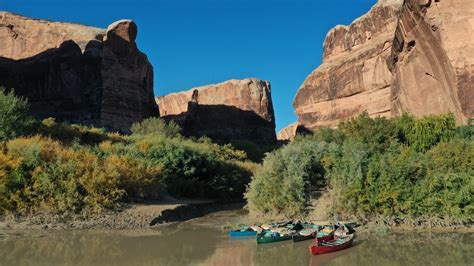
(77, 73)
(288, 133)
(236, 109)
(412, 55)
(433, 58)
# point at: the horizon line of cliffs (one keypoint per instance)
(402, 56)
(93, 76)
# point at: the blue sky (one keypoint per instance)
(197, 42)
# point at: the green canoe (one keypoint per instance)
(271, 238)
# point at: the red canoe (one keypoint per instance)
(331, 246)
(325, 238)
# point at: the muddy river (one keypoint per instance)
(202, 241)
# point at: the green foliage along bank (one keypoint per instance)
(403, 167)
(14, 118)
(55, 167)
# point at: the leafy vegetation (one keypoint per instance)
(59, 167)
(14, 118)
(155, 126)
(376, 167)
(283, 182)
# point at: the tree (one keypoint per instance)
(14, 118)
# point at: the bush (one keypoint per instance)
(195, 169)
(466, 131)
(14, 118)
(377, 133)
(283, 183)
(254, 152)
(422, 134)
(79, 168)
(156, 126)
(68, 134)
(403, 167)
(51, 177)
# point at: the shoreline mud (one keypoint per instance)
(132, 216)
(143, 216)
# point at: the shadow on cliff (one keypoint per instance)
(78, 86)
(60, 82)
(225, 124)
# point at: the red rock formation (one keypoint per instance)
(433, 58)
(427, 71)
(236, 109)
(354, 75)
(288, 133)
(77, 73)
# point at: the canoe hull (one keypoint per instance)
(323, 249)
(266, 240)
(298, 238)
(325, 238)
(242, 234)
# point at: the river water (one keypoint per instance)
(202, 241)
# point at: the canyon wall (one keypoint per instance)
(402, 56)
(433, 58)
(232, 110)
(76, 73)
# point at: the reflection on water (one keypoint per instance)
(201, 242)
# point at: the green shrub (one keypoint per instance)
(156, 126)
(466, 131)
(79, 168)
(48, 176)
(426, 132)
(282, 184)
(68, 134)
(253, 151)
(325, 134)
(195, 169)
(377, 133)
(403, 167)
(14, 118)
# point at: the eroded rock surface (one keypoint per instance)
(236, 109)
(413, 55)
(77, 73)
(433, 58)
(288, 133)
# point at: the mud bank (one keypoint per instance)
(132, 216)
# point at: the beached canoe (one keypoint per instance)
(271, 237)
(238, 233)
(324, 237)
(320, 237)
(305, 234)
(310, 226)
(331, 246)
(245, 231)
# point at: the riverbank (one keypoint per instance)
(202, 241)
(130, 216)
(147, 215)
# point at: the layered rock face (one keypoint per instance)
(412, 55)
(77, 73)
(433, 58)
(354, 75)
(236, 109)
